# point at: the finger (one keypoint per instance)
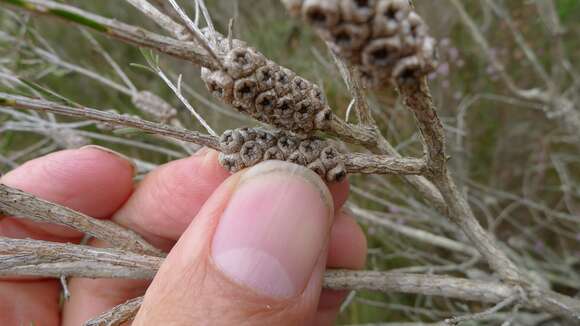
(347, 249)
(160, 209)
(89, 180)
(255, 253)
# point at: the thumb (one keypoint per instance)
(254, 255)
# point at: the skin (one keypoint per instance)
(179, 199)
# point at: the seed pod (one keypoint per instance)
(243, 61)
(245, 91)
(321, 13)
(266, 77)
(231, 141)
(376, 36)
(251, 153)
(153, 106)
(231, 162)
(317, 167)
(242, 148)
(265, 90)
(357, 11)
(382, 52)
(265, 103)
(389, 16)
(350, 37)
(219, 84)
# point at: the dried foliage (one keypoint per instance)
(449, 244)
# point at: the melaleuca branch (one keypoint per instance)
(22, 102)
(19, 204)
(44, 258)
(41, 258)
(119, 315)
(390, 45)
(239, 152)
(139, 36)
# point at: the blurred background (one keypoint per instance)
(516, 157)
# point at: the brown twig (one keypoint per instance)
(118, 315)
(127, 33)
(164, 21)
(23, 102)
(19, 204)
(355, 163)
(49, 259)
(41, 258)
(417, 97)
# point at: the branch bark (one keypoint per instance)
(189, 51)
(417, 97)
(19, 204)
(41, 258)
(23, 102)
(383, 164)
(164, 21)
(118, 315)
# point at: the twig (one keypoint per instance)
(177, 91)
(496, 308)
(413, 233)
(131, 34)
(49, 259)
(383, 164)
(97, 46)
(164, 21)
(35, 257)
(417, 98)
(118, 315)
(19, 204)
(195, 32)
(355, 163)
(109, 117)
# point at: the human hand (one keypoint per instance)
(252, 246)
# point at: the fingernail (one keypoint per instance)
(273, 229)
(117, 154)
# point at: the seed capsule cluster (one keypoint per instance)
(265, 90)
(385, 39)
(245, 147)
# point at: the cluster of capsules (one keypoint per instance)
(266, 91)
(245, 147)
(385, 39)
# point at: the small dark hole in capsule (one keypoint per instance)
(242, 59)
(391, 13)
(414, 31)
(215, 88)
(381, 56)
(284, 106)
(362, 3)
(343, 38)
(317, 16)
(283, 78)
(245, 90)
(266, 102)
(407, 74)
